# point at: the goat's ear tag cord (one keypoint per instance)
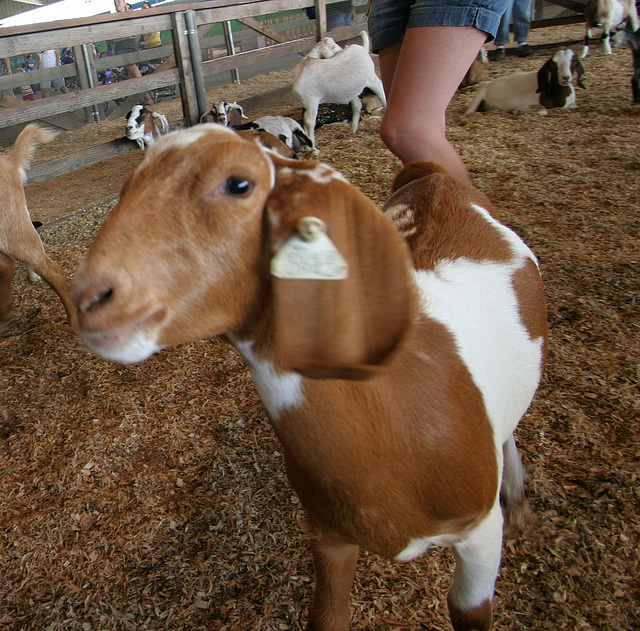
(310, 254)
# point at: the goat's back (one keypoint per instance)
(338, 79)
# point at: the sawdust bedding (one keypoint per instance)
(153, 496)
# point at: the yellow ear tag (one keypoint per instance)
(310, 254)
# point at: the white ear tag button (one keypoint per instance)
(310, 254)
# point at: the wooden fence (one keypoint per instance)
(194, 55)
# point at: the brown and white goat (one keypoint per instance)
(550, 86)
(394, 361)
(145, 126)
(609, 14)
(19, 240)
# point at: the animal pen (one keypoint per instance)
(265, 32)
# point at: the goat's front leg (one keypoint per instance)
(477, 563)
(356, 108)
(587, 42)
(606, 38)
(334, 564)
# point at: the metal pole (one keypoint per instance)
(91, 78)
(196, 61)
(231, 49)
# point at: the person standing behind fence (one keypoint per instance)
(5, 69)
(50, 59)
(151, 40)
(126, 44)
(521, 12)
(25, 90)
(341, 14)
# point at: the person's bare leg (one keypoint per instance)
(420, 77)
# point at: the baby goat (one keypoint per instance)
(19, 240)
(145, 126)
(547, 88)
(221, 112)
(284, 128)
(394, 361)
(610, 14)
(338, 78)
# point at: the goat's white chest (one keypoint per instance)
(279, 391)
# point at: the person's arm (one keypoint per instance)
(7, 64)
(57, 57)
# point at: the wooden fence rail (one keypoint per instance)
(188, 64)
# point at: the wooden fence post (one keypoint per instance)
(321, 19)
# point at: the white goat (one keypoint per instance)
(339, 78)
(443, 312)
(610, 14)
(19, 240)
(145, 126)
(544, 89)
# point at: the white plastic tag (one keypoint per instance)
(313, 258)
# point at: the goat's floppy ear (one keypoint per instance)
(544, 76)
(576, 66)
(340, 275)
(237, 108)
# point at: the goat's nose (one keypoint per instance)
(567, 78)
(94, 296)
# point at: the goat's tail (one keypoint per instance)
(364, 36)
(24, 146)
(414, 171)
(514, 502)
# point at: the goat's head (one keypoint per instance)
(220, 112)
(324, 49)
(558, 71)
(187, 255)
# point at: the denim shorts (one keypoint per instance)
(389, 19)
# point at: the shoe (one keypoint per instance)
(524, 50)
(498, 54)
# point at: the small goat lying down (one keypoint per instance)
(145, 126)
(19, 240)
(267, 140)
(547, 88)
(284, 128)
(329, 74)
(633, 41)
(444, 313)
(610, 14)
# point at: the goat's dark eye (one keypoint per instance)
(238, 186)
